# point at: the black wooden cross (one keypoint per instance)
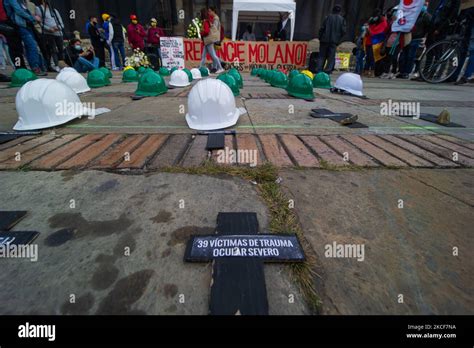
(238, 252)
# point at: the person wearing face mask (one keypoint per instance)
(97, 39)
(419, 32)
(82, 61)
(153, 37)
(136, 34)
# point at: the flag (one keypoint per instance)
(408, 12)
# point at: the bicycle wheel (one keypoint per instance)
(440, 61)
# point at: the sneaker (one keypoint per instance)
(385, 76)
(391, 76)
(402, 76)
(39, 72)
(220, 71)
(461, 81)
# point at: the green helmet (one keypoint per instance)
(97, 79)
(301, 86)
(173, 69)
(322, 80)
(130, 75)
(254, 72)
(151, 84)
(106, 72)
(22, 76)
(263, 73)
(190, 75)
(279, 80)
(293, 73)
(258, 72)
(238, 78)
(230, 81)
(141, 70)
(164, 71)
(269, 75)
(204, 71)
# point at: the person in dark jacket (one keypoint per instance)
(118, 43)
(82, 61)
(419, 32)
(330, 35)
(283, 28)
(97, 39)
(153, 37)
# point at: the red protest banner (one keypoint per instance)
(248, 54)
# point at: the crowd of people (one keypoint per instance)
(35, 31)
(380, 52)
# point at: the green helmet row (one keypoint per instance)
(301, 86)
(96, 79)
(22, 76)
(230, 81)
(151, 84)
(236, 75)
(106, 72)
(279, 80)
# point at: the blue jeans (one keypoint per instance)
(83, 65)
(408, 57)
(216, 63)
(359, 61)
(470, 65)
(119, 47)
(31, 48)
(369, 58)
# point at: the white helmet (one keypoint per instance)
(179, 79)
(196, 74)
(351, 83)
(46, 103)
(74, 80)
(68, 68)
(211, 106)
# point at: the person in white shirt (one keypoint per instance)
(52, 34)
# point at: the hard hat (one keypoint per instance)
(322, 80)
(204, 71)
(130, 75)
(351, 83)
(179, 79)
(74, 80)
(128, 68)
(211, 106)
(44, 103)
(279, 80)
(97, 79)
(263, 73)
(269, 76)
(173, 69)
(253, 72)
(106, 72)
(68, 68)
(133, 17)
(293, 73)
(141, 70)
(259, 71)
(301, 86)
(229, 80)
(188, 72)
(309, 74)
(164, 71)
(153, 20)
(105, 16)
(196, 74)
(238, 78)
(22, 76)
(151, 84)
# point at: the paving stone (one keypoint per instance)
(439, 150)
(274, 151)
(38, 151)
(62, 154)
(302, 156)
(116, 155)
(455, 147)
(398, 152)
(15, 142)
(355, 156)
(248, 142)
(323, 151)
(171, 152)
(197, 152)
(144, 152)
(380, 155)
(439, 161)
(10, 153)
(457, 141)
(90, 153)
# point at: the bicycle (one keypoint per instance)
(441, 60)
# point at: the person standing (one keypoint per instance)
(330, 35)
(136, 34)
(52, 33)
(248, 35)
(283, 28)
(118, 43)
(18, 13)
(210, 35)
(97, 39)
(108, 34)
(11, 33)
(153, 37)
(469, 13)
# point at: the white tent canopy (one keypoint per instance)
(259, 6)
